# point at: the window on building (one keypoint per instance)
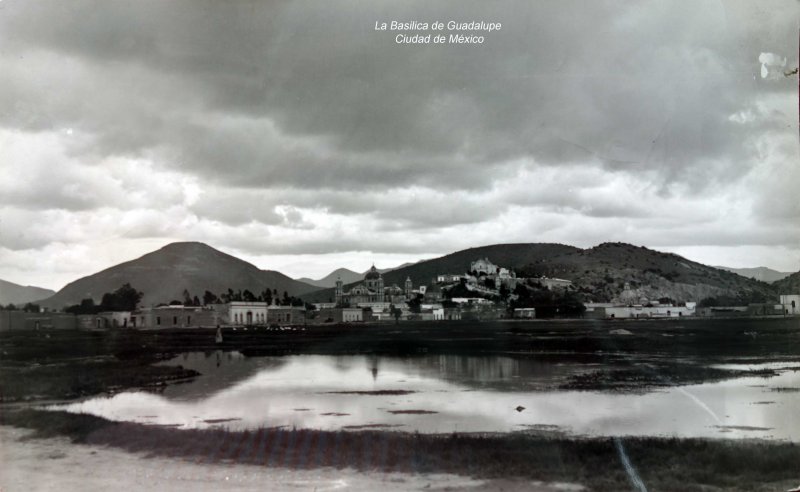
(174, 320)
(188, 320)
(158, 320)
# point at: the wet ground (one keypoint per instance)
(447, 393)
(56, 464)
(484, 400)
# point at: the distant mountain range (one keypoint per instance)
(19, 295)
(599, 273)
(164, 274)
(347, 276)
(763, 274)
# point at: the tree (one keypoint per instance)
(415, 304)
(187, 298)
(504, 291)
(126, 298)
(87, 306)
(31, 308)
(209, 298)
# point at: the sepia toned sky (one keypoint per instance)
(295, 136)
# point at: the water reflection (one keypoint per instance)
(442, 394)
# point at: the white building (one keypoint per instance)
(483, 266)
(471, 300)
(448, 279)
(247, 313)
(664, 311)
(524, 313)
(554, 283)
(790, 303)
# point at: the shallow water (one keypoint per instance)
(443, 394)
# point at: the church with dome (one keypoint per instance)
(372, 290)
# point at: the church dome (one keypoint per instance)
(372, 274)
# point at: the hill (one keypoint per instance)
(164, 274)
(11, 293)
(423, 272)
(328, 281)
(763, 274)
(788, 285)
(599, 273)
(347, 276)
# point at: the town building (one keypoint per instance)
(340, 315)
(446, 279)
(372, 292)
(483, 266)
(554, 283)
(21, 320)
(524, 313)
(176, 316)
(790, 303)
(616, 311)
(286, 315)
(246, 313)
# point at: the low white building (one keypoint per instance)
(448, 279)
(790, 303)
(471, 300)
(247, 313)
(663, 311)
(524, 313)
(554, 283)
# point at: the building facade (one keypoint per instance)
(790, 303)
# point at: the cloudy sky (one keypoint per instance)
(295, 136)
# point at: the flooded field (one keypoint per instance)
(561, 402)
(457, 393)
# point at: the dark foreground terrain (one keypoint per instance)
(39, 366)
(660, 463)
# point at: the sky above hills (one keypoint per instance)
(293, 135)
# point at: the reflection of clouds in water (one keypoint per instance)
(269, 396)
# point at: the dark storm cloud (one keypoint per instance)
(293, 128)
(308, 95)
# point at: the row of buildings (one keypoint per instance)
(788, 305)
(371, 301)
